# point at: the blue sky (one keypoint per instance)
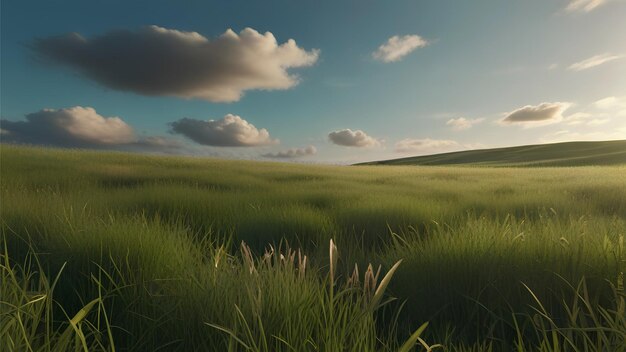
(464, 75)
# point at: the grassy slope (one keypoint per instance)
(557, 154)
(167, 231)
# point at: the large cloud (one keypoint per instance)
(160, 61)
(410, 145)
(82, 127)
(538, 115)
(230, 131)
(293, 153)
(76, 127)
(593, 61)
(349, 138)
(397, 47)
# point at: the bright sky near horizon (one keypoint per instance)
(313, 81)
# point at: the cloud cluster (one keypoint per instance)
(462, 123)
(82, 127)
(397, 47)
(410, 145)
(166, 62)
(293, 153)
(537, 115)
(350, 138)
(593, 61)
(229, 131)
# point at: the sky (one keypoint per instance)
(311, 81)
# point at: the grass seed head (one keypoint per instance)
(333, 256)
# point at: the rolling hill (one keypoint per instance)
(556, 154)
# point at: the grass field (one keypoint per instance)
(557, 154)
(106, 251)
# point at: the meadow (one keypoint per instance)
(126, 252)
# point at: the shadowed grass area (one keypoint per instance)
(158, 241)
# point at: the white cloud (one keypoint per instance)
(397, 47)
(160, 61)
(593, 61)
(597, 122)
(603, 111)
(462, 123)
(609, 103)
(568, 135)
(578, 118)
(583, 118)
(230, 131)
(584, 5)
(75, 126)
(349, 138)
(538, 115)
(410, 145)
(293, 153)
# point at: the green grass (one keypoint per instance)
(496, 259)
(557, 154)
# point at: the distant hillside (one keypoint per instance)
(557, 154)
